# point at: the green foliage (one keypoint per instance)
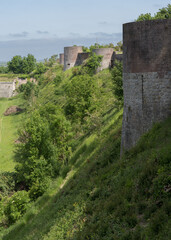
(16, 206)
(28, 64)
(97, 45)
(43, 149)
(40, 68)
(53, 59)
(92, 63)
(117, 81)
(119, 47)
(15, 65)
(89, 67)
(79, 97)
(7, 184)
(4, 69)
(29, 89)
(105, 197)
(22, 65)
(163, 13)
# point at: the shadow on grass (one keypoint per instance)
(67, 207)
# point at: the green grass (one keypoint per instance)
(8, 133)
(104, 197)
(9, 77)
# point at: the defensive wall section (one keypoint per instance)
(61, 59)
(70, 56)
(74, 56)
(146, 77)
(107, 54)
(118, 57)
(81, 57)
(7, 89)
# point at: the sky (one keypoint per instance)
(44, 27)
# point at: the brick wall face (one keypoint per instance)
(146, 46)
(146, 78)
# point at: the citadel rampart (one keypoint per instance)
(70, 56)
(118, 57)
(7, 89)
(81, 57)
(107, 54)
(61, 59)
(146, 77)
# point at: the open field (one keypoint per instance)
(8, 133)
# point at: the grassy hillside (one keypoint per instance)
(98, 195)
(103, 196)
(8, 133)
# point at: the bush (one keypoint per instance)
(16, 206)
(93, 63)
(28, 90)
(44, 148)
(117, 81)
(79, 97)
(22, 65)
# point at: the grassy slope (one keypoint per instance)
(8, 133)
(104, 197)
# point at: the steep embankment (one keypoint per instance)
(8, 133)
(105, 197)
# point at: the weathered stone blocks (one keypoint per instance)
(7, 89)
(146, 77)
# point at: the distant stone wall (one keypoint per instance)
(107, 57)
(61, 58)
(118, 57)
(7, 89)
(81, 57)
(146, 77)
(70, 56)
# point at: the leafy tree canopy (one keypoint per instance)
(163, 13)
(22, 65)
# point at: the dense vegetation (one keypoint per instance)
(118, 47)
(163, 13)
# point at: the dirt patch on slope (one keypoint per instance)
(12, 110)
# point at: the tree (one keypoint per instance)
(79, 97)
(119, 46)
(15, 65)
(117, 81)
(164, 13)
(28, 64)
(43, 148)
(22, 65)
(93, 63)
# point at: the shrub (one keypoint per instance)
(117, 81)
(44, 148)
(16, 206)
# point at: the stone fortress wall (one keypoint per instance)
(146, 77)
(74, 56)
(70, 56)
(61, 59)
(107, 54)
(7, 89)
(81, 57)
